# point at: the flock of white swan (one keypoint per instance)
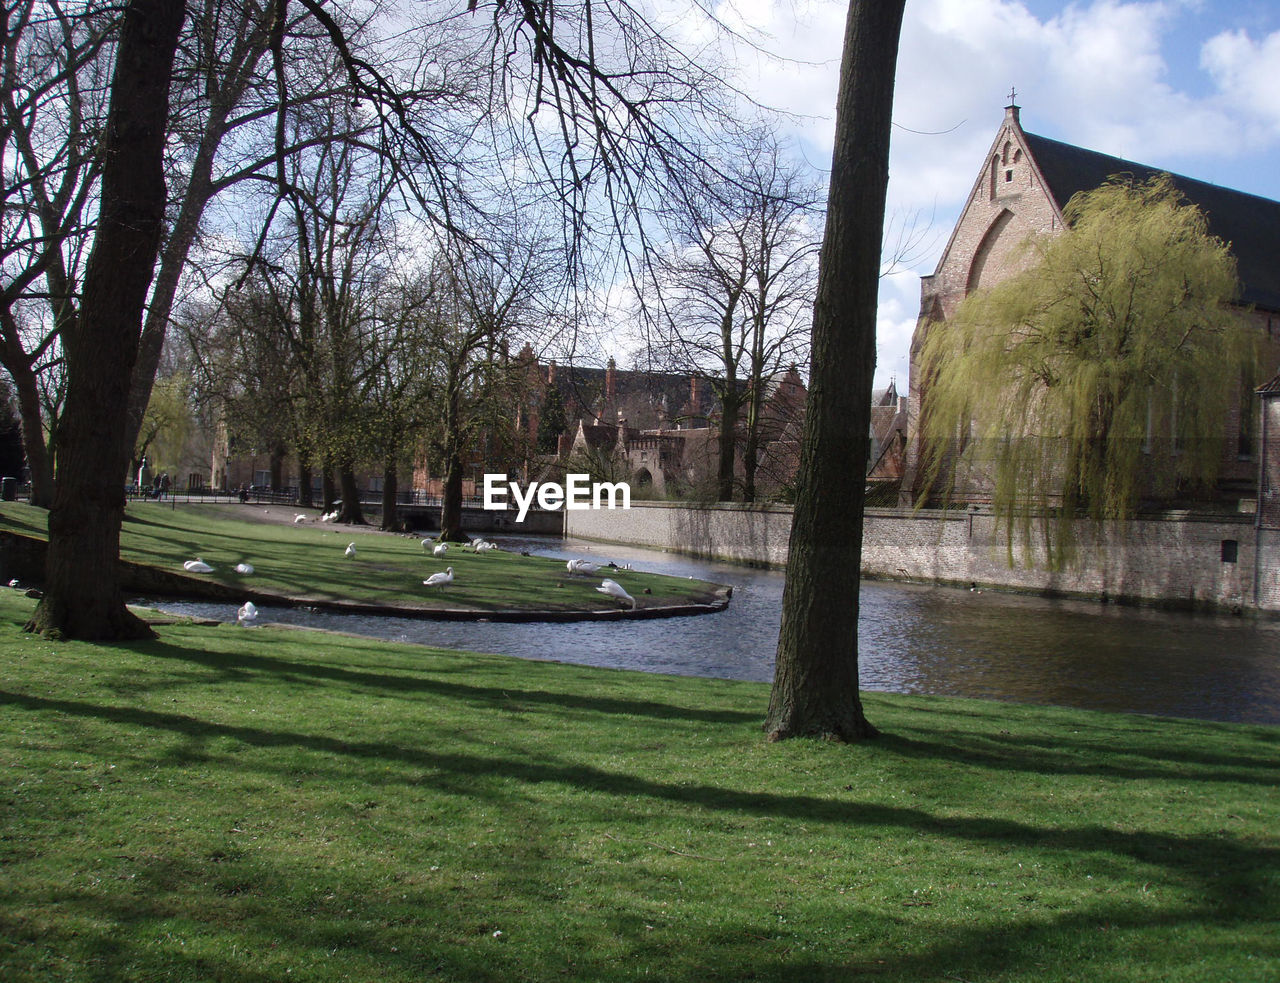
(248, 612)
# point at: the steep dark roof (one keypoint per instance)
(1250, 224)
(586, 385)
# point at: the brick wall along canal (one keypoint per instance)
(928, 640)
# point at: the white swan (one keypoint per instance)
(247, 614)
(584, 567)
(244, 568)
(299, 518)
(351, 549)
(440, 579)
(197, 566)
(615, 589)
(440, 549)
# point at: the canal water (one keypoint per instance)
(912, 639)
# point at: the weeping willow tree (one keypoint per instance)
(1101, 375)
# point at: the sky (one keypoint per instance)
(1191, 86)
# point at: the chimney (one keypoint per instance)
(695, 396)
(551, 373)
(611, 382)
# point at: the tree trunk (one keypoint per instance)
(750, 464)
(751, 448)
(390, 490)
(83, 598)
(728, 444)
(186, 227)
(38, 460)
(277, 468)
(305, 498)
(351, 511)
(815, 687)
(451, 506)
(328, 488)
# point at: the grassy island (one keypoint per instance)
(306, 562)
(260, 804)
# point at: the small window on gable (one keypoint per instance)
(1230, 550)
(1008, 176)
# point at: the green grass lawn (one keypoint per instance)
(270, 804)
(308, 561)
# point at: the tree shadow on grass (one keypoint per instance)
(1230, 872)
(1064, 757)
(1232, 884)
(413, 682)
(1091, 942)
(1097, 941)
(999, 752)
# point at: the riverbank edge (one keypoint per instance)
(23, 558)
(1026, 845)
(1049, 593)
(1175, 561)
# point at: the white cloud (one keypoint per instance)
(1246, 73)
(1117, 76)
(895, 322)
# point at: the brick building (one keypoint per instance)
(1021, 189)
(661, 428)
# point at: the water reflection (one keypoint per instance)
(912, 639)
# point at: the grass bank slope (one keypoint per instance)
(307, 562)
(265, 804)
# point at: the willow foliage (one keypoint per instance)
(1100, 375)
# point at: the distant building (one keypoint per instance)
(661, 429)
(1022, 186)
(657, 430)
(889, 430)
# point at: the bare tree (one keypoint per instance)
(342, 258)
(485, 302)
(815, 686)
(246, 378)
(735, 289)
(237, 102)
(52, 108)
(83, 597)
(605, 121)
(226, 92)
(400, 390)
